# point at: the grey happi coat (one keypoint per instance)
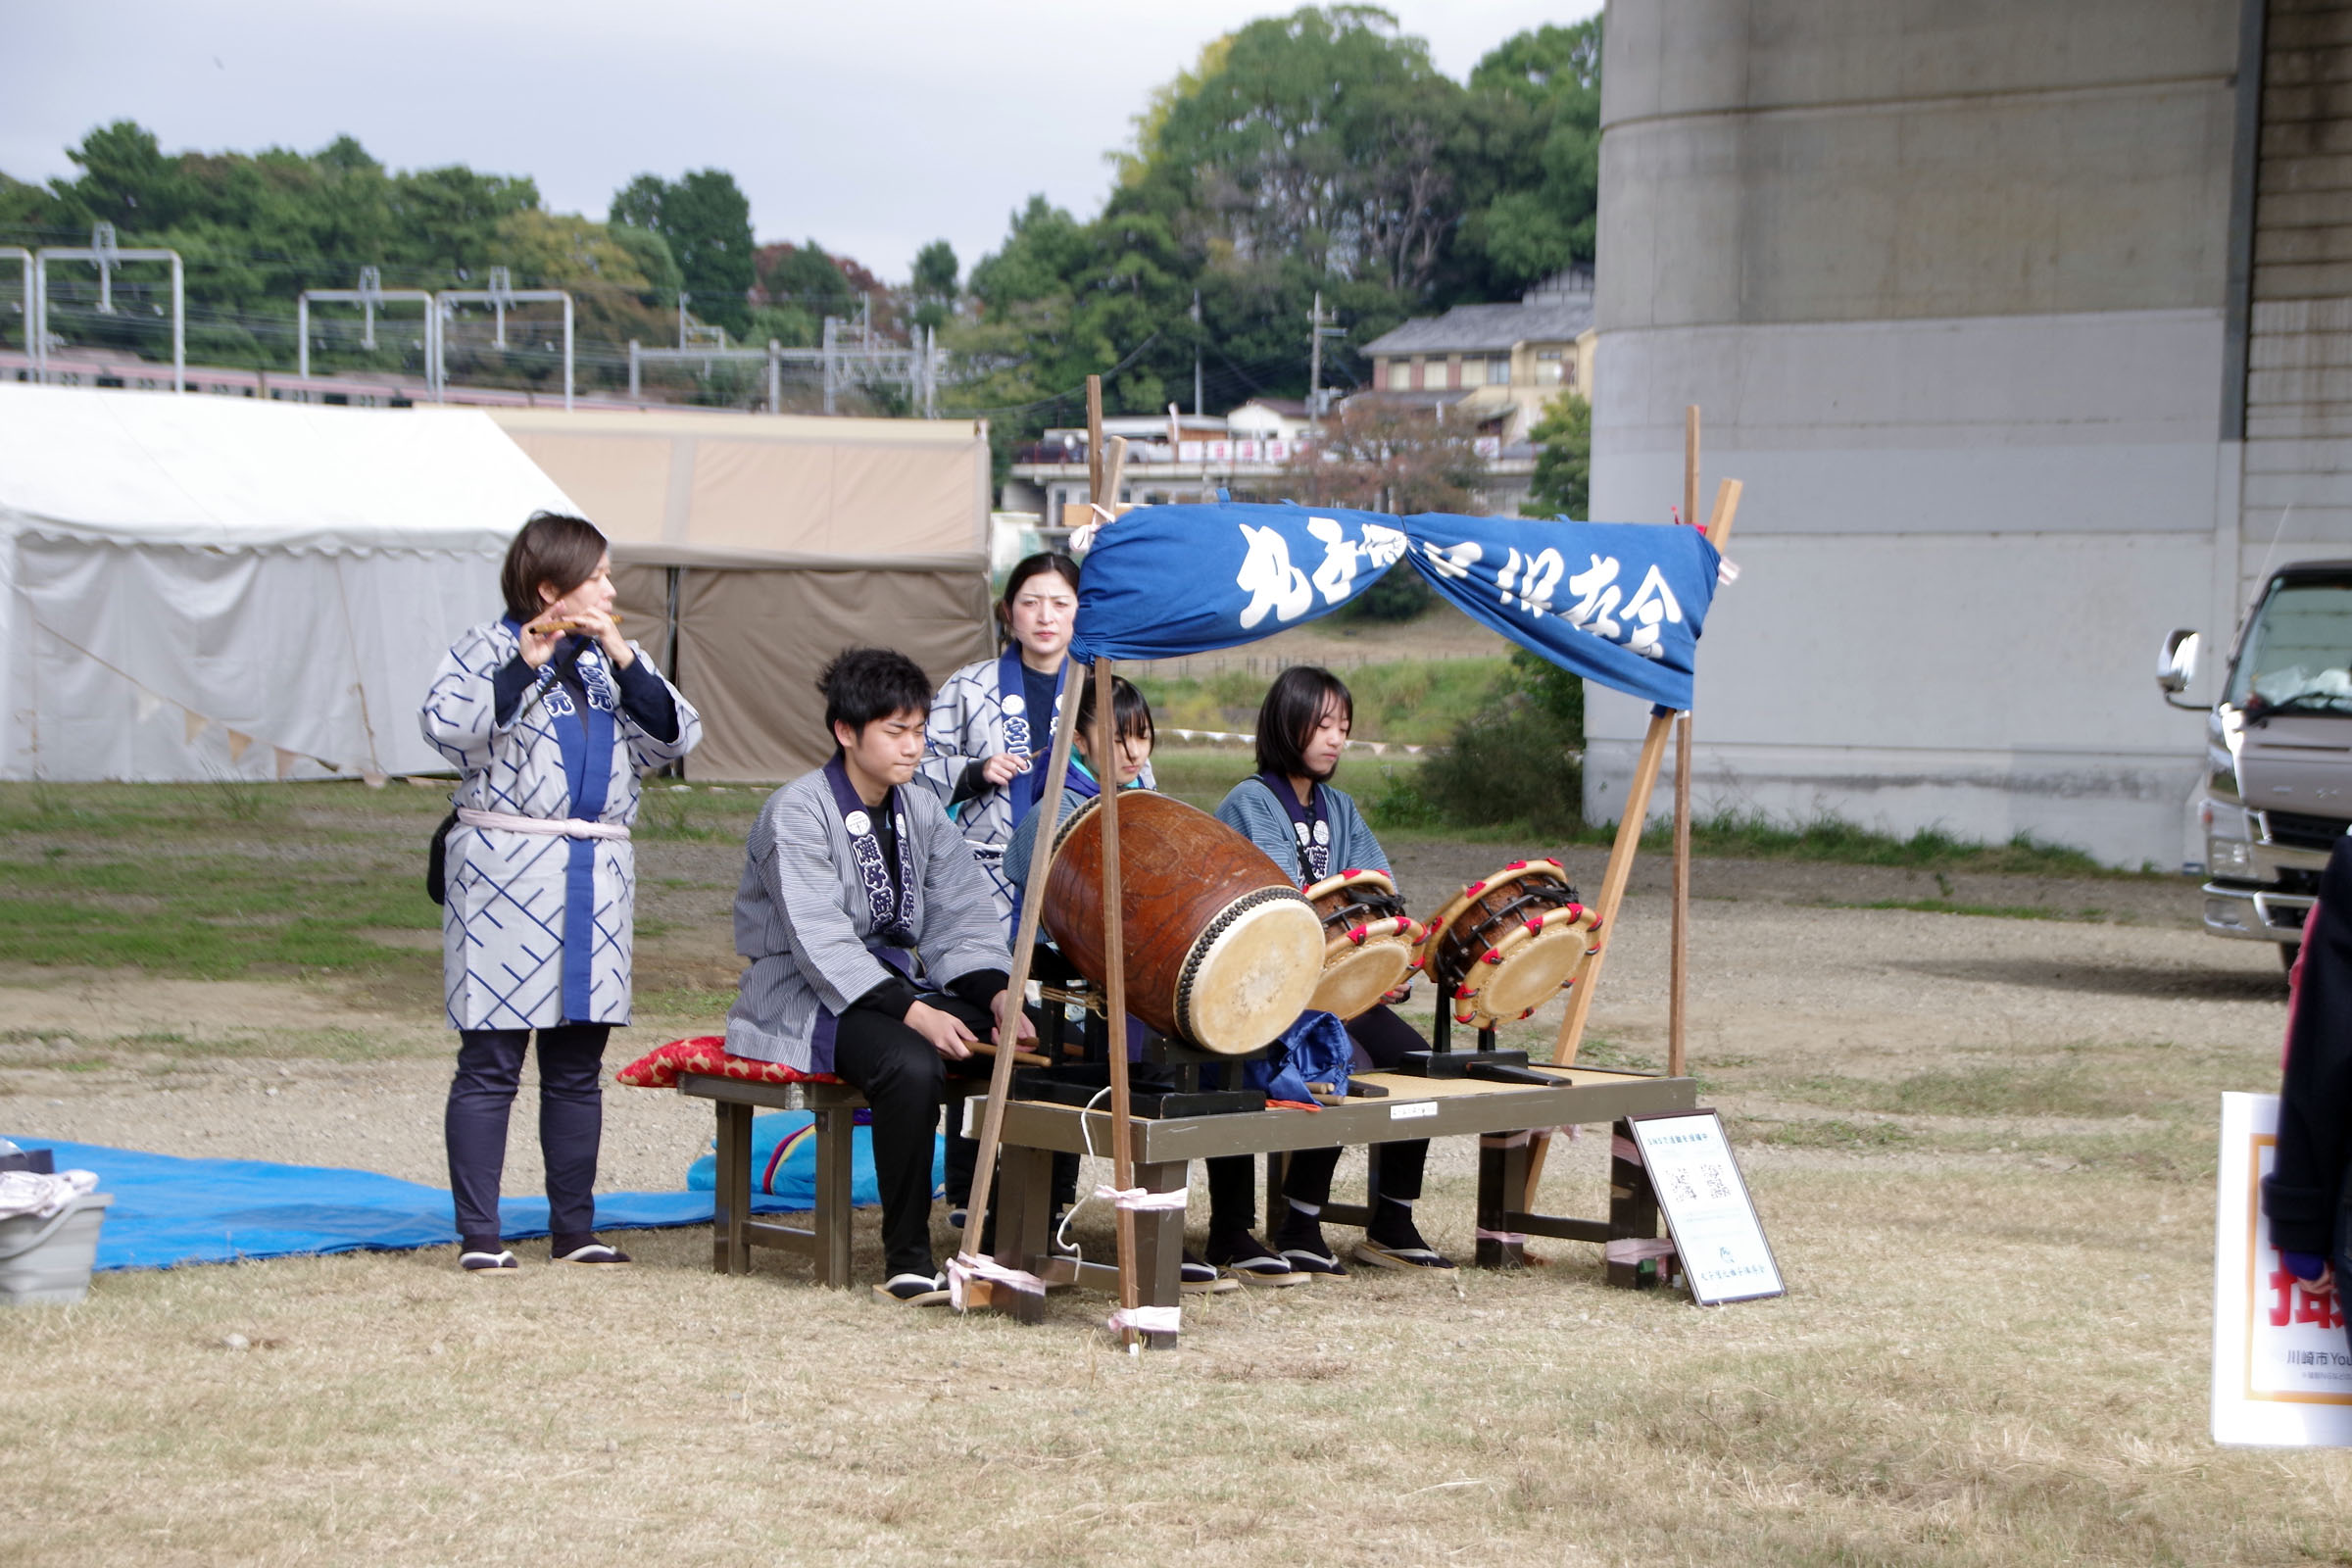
(804, 926)
(538, 929)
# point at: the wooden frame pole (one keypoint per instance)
(1024, 946)
(1122, 1138)
(1612, 885)
(1678, 961)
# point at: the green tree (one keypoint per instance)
(934, 286)
(707, 225)
(1533, 181)
(1563, 438)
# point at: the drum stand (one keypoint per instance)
(1485, 1060)
(1167, 1079)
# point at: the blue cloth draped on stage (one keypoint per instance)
(1620, 604)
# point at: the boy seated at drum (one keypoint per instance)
(1232, 1178)
(1290, 810)
(874, 946)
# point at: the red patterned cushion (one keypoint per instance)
(660, 1067)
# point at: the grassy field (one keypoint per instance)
(1407, 701)
(1983, 1151)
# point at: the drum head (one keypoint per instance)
(1355, 977)
(1530, 971)
(1371, 881)
(1251, 976)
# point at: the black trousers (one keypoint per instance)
(572, 1123)
(906, 1082)
(1395, 1167)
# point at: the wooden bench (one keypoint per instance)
(734, 1229)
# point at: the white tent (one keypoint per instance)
(197, 586)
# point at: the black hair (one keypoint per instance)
(554, 548)
(1286, 718)
(863, 684)
(1128, 711)
(1028, 566)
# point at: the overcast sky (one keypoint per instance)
(872, 128)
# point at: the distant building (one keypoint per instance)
(1496, 364)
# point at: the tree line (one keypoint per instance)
(1319, 151)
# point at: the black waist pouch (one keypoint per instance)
(436, 861)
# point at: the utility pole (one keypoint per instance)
(683, 297)
(103, 252)
(1197, 410)
(1314, 361)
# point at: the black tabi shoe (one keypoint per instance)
(1195, 1277)
(959, 1217)
(1391, 1255)
(913, 1289)
(1305, 1249)
(1250, 1260)
(593, 1253)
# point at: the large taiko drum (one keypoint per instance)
(1222, 949)
(1504, 944)
(1367, 941)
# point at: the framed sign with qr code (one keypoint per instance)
(1708, 1211)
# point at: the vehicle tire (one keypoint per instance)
(2289, 952)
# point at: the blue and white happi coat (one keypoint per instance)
(537, 928)
(808, 919)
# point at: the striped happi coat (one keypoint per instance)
(967, 725)
(537, 930)
(804, 925)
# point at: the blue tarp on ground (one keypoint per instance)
(168, 1210)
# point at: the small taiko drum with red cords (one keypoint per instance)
(1368, 941)
(1502, 946)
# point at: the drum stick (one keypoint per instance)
(1115, 948)
(1026, 1058)
(1024, 945)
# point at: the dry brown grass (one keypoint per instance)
(1983, 1360)
(1983, 1149)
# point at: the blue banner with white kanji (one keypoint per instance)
(1617, 603)
(1621, 604)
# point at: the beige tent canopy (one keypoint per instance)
(749, 551)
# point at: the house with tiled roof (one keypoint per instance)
(1496, 364)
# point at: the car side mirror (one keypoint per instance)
(2176, 665)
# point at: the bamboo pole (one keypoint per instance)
(1024, 946)
(1612, 885)
(1678, 962)
(1122, 1146)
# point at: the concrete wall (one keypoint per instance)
(1950, 285)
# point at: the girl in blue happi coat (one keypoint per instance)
(993, 721)
(551, 716)
(1290, 810)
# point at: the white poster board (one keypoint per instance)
(2282, 1370)
(1705, 1199)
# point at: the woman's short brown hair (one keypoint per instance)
(554, 548)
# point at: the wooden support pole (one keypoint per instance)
(1115, 948)
(1612, 885)
(1678, 961)
(1024, 945)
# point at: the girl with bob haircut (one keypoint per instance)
(1290, 810)
(1232, 1180)
(551, 716)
